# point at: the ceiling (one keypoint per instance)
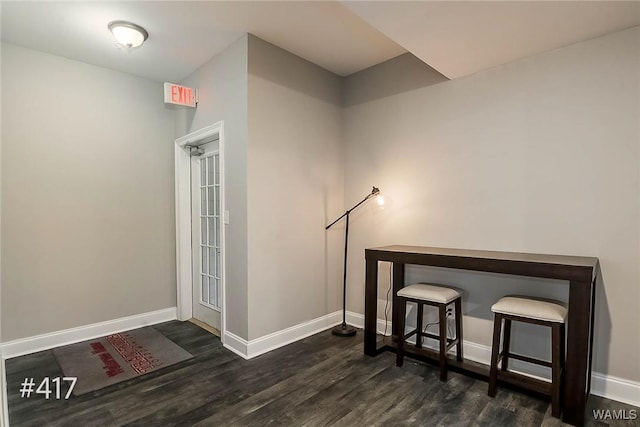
(455, 38)
(461, 38)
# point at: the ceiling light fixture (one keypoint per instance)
(128, 34)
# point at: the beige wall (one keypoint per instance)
(295, 188)
(284, 180)
(2, 396)
(403, 73)
(87, 195)
(3, 402)
(540, 155)
(222, 86)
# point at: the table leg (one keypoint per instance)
(398, 283)
(370, 307)
(591, 327)
(578, 352)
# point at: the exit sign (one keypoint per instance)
(180, 95)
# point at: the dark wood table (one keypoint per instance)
(580, 272)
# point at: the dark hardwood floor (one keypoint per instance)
(321, 380)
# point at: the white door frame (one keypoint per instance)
(183, 219)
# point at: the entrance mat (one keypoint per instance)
(101, 362)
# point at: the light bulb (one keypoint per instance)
(380, 200)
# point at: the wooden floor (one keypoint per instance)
(321, 380)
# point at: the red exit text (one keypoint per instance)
(180, 95)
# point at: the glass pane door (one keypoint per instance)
(210, 252)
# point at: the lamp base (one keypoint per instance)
(344, 330)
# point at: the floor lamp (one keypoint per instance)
(344, 330)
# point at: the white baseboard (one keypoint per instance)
(472, 351)
(614, 388)
(607, 386)
(236, 344)
(357, 320)
(281, 338)
(482, 354)
(29, 345)
(603, 385)
(266, 343)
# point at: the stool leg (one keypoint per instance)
(506, 344)
(400, 341)
(495, 350)
(442, 309)
(419, 325)
(458, 307)
(555, 369)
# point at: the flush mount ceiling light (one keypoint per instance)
(128, 34)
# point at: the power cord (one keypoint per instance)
(424, 330)
(386, 305)
(449, 330)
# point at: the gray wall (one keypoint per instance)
(403, 73)
(282, 119)
(541, 155)
(222, 85)
(295, 187)
(87, 195)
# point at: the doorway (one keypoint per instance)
(200, 227)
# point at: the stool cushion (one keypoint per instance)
(549, 311)
(432, 293)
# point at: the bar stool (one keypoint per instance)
(436, 296)
(540, 312)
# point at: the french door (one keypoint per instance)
(206, 234)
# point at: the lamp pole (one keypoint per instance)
(344, 330)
